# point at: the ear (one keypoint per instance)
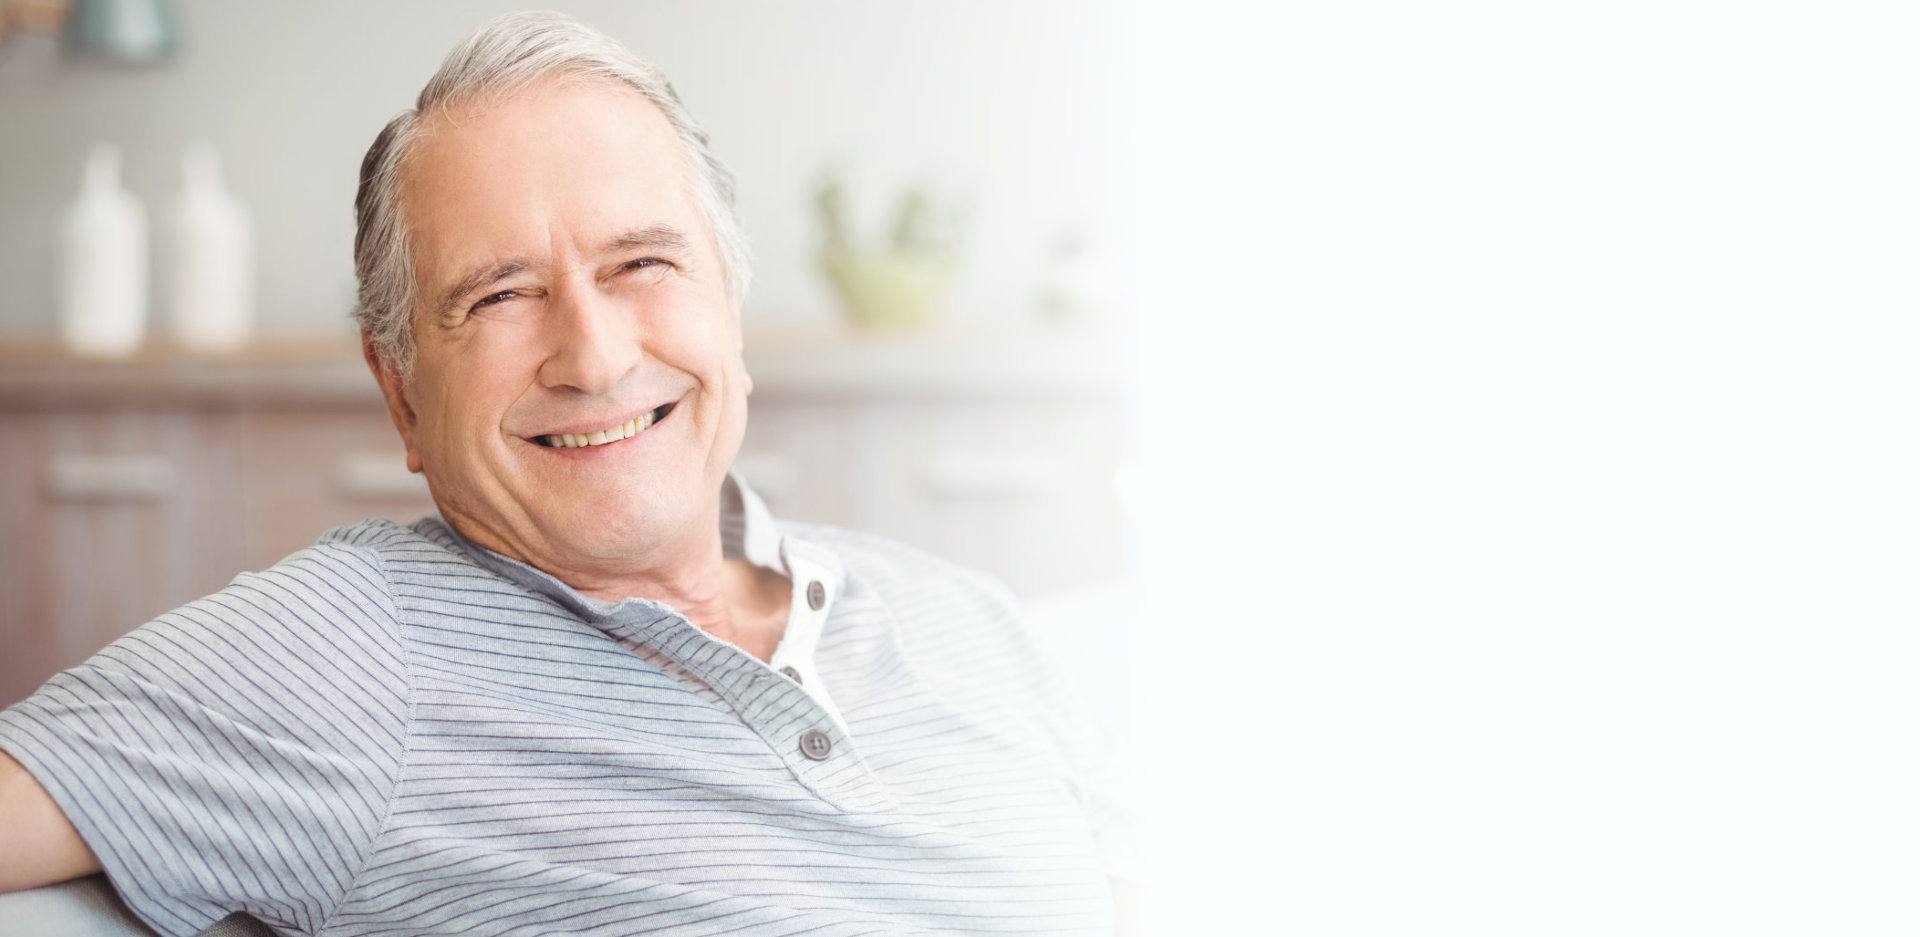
(395, 392)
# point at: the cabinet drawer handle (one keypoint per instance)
(377, 476)
(958, 473)
(109, 477)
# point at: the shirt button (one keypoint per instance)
(816, 595)
(815, 744)
(792, 674)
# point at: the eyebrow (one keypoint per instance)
(473, 281)
(653, 237)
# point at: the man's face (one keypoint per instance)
(568, 284)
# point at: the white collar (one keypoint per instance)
(748, 531)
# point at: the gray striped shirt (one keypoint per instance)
(398, 732)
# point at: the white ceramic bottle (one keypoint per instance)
(101, 246)
(209, 273)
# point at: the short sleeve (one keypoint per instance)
(236, 754)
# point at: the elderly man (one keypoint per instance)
(602, 693)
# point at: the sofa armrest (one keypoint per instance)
(83, 907)
(89, 907)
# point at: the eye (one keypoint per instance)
(644, 263)
(499, 297)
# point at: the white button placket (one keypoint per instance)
(814, 586)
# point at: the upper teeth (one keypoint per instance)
(631, 427)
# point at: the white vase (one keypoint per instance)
(209, 258)
(101, 250)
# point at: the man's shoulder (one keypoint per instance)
(422, 549)
(344, 576)
(380, 535)
(349, 574)
(322, 619)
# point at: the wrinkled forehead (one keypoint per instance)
(588, 151)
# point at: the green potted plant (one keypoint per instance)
(893, 284)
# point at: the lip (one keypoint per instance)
(660, 415)
(591, 426)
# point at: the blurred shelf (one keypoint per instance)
(1002, 363)
(786, 363)
(324, 372)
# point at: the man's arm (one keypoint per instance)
(38, 846)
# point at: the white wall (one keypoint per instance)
(998, 102)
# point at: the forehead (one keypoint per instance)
(559, 162)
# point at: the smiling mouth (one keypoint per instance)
(633, 427)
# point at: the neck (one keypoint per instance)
(733, 600)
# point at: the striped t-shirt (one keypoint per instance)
(396, 731)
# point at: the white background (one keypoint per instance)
(1531, 436)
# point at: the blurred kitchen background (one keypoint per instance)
(965, 397)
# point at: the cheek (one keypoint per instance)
(692, 327)
(431, 412)
(464, 400)
(699, 348)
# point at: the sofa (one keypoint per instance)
(88, 907)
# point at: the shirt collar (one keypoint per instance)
(747, 528)
(747, 531)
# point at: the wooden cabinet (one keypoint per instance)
(310, 469)
(111, 517)
(130, 487)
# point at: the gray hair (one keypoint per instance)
(500, 57)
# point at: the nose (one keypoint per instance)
(594, 342)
